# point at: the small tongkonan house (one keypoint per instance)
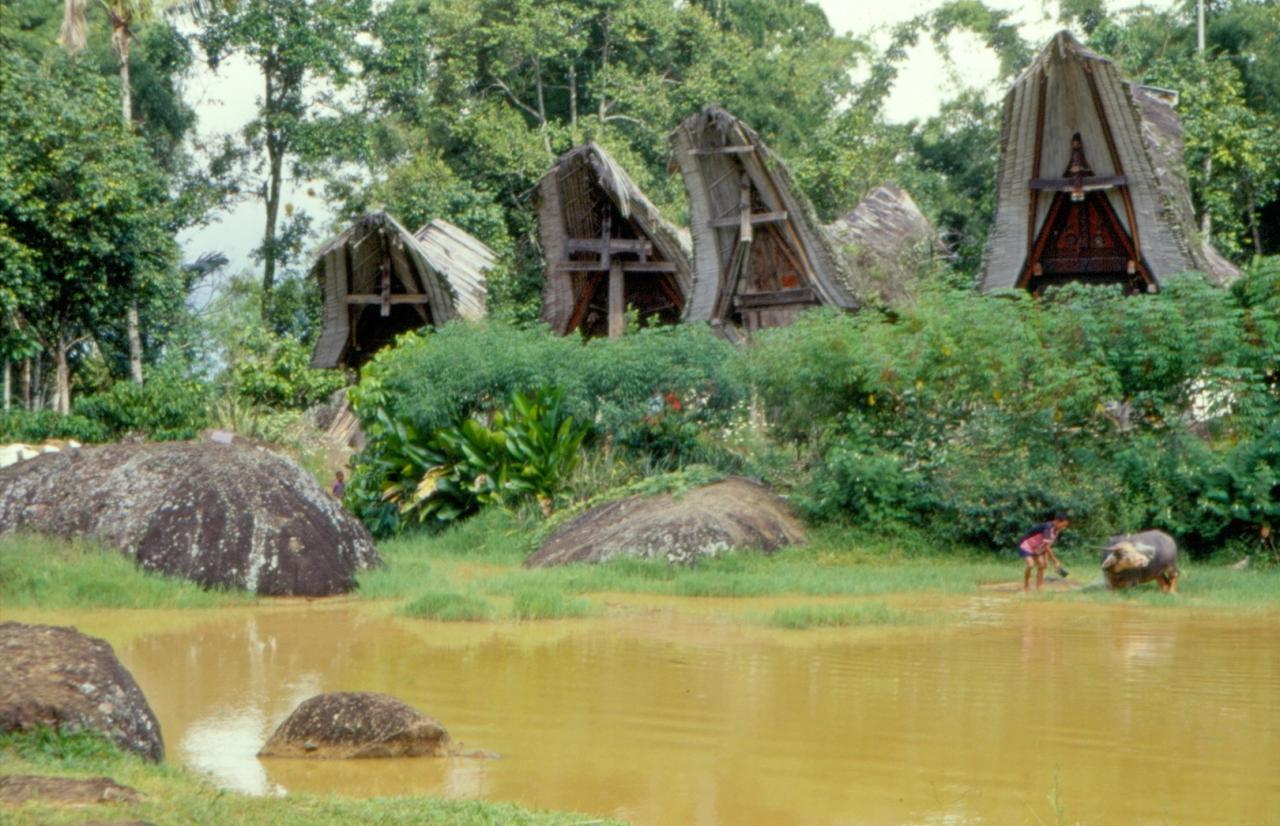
(760, 257)
(378, 281)
(1091, 186)
(606, 249)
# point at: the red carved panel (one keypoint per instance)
(1084, 232)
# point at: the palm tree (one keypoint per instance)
(74, 35)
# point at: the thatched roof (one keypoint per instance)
(463, 260)
(782, 257)
(585, 195)
(376, 281)
(886, 243)
(1132, 142)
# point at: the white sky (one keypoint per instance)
(226, 101)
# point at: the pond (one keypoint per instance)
(666, 711)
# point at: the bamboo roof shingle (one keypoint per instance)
(463, 260)
(760, 256)
(885, 244)
(377, 281)
(1091, 184)
(598, 230)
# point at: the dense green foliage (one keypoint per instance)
(979, 415)
(968, 415)
(430, 409)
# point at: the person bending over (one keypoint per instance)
(1036, 549)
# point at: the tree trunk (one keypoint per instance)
(121, 39)
(1206, 220)
(542, 107)
(62, 376)
(26, 383)
(275, 160)
(135, 341)
(573, 96)
(602, 106)
(37, 383)
(1254, 230)
(8, 384)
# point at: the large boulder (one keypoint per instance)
(735, 514)
(347, 724)
(56, 677)
(222, 515)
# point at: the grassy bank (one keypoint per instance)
(177, 795)
(835, 562)
(46, 572)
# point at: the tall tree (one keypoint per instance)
(305, 52)
(122, 15)
(84, 210)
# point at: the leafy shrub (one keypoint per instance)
(275, 372)
(40, 425)
(527, 452)
(170, 405)
(435, 379)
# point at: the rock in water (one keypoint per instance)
(734, 514)
(57, 677)
(217, 514)
(348, 724)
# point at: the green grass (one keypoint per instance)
(1203, 584)
(791, 571)
(537, 602)
(798, 617)
(449, 606)
(177, 795)
(46, 572)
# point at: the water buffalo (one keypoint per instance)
(1134, 558)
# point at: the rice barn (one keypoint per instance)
(377, 281)
(760, 256)
(606, 249)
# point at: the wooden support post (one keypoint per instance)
(617, 302)
(384, 289)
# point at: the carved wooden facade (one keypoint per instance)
(1091, 185)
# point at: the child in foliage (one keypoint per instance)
(1036, 549)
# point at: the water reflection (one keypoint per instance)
(660, 715)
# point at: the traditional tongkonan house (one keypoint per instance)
(886, 245)
(760, 257)
(1091, 185)
(378, 281)
(606, 249)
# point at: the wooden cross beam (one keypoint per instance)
(724, 150)
(387, 300)
(754, 218)
(606, 246)
(1078, 184)
(627, 266)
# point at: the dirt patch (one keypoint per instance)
(356, 724)
(735, 514)
(20, 788)
(221, 515)
(1051, 583)
(56, 677)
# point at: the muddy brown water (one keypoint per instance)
(668, 711)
